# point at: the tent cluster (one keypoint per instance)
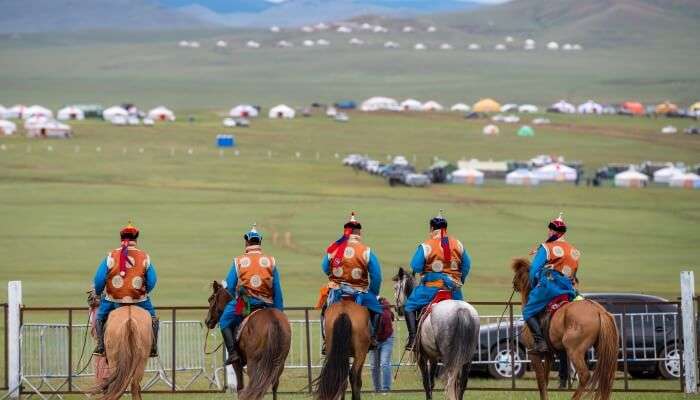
(38, 121)
(130, 115)
(632, 108)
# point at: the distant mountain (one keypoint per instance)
(258, 13)
(608, 21)
(76, 15)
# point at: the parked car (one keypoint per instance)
(649, 327)
(354, 160)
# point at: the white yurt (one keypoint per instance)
(49, 129)
(567, 47)
(577, 47)
(321, 26)
(229, 122)
(511, 119)
(282, 111)
(69, 113)
(119, 119)
(419, 46)
(665, 174)
(7, 127)
(432, 105)
(275, 29)
(509, 107)
(309, 43)
(499, 47)
(446, 46)
(37, 111)
(529, 44)
(35, 120)
(631, 178)
(431, 29)
(407, 29)
(161, 113)
(522, 177)
(380, 29)
(491, 130)
(183, 43)
(469, 176)
(307, 29)
(356, 41)
(460, 107)
(221, 43)
(380, 103)
(391, 45)
(556, 172)
(552, 46)
(590, 107)
(474, 46)
(366, 26)
(284, 43)
(688, 181)
(344, 29)
(669, 130)
(109, 113)
(331, 112)
(252, 44)
(243, 111)
(564, 107)
(16, 111)
(323, 42)
(194, 45)
(411, 105)
(528, 109)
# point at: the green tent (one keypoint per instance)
(526, 131)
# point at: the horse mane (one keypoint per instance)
(521, 278)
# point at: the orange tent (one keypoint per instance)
(666, 108)
(634, 107)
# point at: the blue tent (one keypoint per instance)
(346, 105)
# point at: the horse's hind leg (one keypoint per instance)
(536, 362)
(135, 390)
(356, 377)
(275, 385)
(578, 359)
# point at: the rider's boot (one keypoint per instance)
(374, 320)
(230, 343)
(410, 317)
(323, 330)
(540, 345)
(155, 325)
(100, 337)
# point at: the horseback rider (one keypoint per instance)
(552, 274)
(353, 270)
(125, 277)
(254, 283)
(443, 263)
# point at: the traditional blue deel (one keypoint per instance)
(225, 141)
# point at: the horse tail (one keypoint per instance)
(126, 365)
(332, 381)
(606, 349)
(267, 365)
(457, 343)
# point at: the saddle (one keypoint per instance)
(243, 323)
(440, 296)
(545, 318)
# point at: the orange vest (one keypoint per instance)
(256, 274)
(130, 288)
(562, 256)
(353, 269)
(435, 259)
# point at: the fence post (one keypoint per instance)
(689, 331)
(14, 300)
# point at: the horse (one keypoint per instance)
(264, 345)
(574, 328)
(128, 338)
(449, 335)
(346, 327)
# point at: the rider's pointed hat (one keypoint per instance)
(253, 233)
(558, 224)
(129, 232)
(438, 221)
(352, 223)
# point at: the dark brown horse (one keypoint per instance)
(575, 328)
(347, 332)
(264, 345)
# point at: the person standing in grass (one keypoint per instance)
(381, 357)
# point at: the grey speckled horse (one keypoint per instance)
(448, 335)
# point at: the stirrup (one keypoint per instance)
(98, 352)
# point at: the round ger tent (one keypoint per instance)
(526, 131)
(486, 106)
(522, 177)
(69, 113)
(243, 111)
(564, 107)
(631, 178)
(161, 113)
(7, 127)
(282, 111)
(114, 112)
(634, 107)
(380, 103)
(432, 106)
(695, 108)
(556, 172)
(666, 108)
(411, 105)
(665, 174)
(469, 176)
(460, 107)
(590, 107)
(37, 111)
(490, 130)
(688, 181)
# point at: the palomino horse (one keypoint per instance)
(264, 345)
(127, 346)
(575, 328)
(449, 335)
(346, 326)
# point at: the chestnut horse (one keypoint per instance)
(346, 325)
(127, 347)
(575, 328)
(264, 344)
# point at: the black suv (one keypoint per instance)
(650, 329)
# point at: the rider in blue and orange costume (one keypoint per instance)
(552, 274)
(254, 283)
(443, 263)
(125, 277)
(353, 270)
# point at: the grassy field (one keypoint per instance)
(64, 202)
